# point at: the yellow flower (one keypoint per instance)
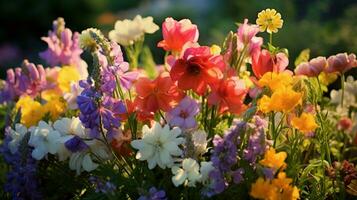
(215, 49)
(285, 99)
(290, 193)
(66, 75)
(269, 20)
(275, 80)
(55, 107)
(274, 160)
(305, 123)
(31, 111)
(327, 78)
(282, 181)
(262, 189)
(264, 104)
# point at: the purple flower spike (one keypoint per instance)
(183, 115)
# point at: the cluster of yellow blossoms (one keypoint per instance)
(285, 99)
(279, 188)
(52, 103)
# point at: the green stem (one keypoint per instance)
(271, 38)
(343, 88)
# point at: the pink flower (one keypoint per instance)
(264, 61)
(29, 79)
(63, 46)
(178, 34)
(312, 68)
(344, 124)
(247, 32)
(183, 115)
(341, 63)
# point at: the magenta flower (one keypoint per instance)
(183, 115)
(246, 32)
(312, 68)
(63, 46)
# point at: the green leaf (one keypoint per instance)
(304, 56)
(148, 62)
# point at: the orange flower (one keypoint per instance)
(305, 123)
(197, 69)
(229, 95)
(274, 160)
(262, 189)
(160, 93)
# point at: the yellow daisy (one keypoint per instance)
(269, 20)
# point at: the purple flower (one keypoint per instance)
(29, 79)
(154, 194)
(21, 181)
(117, 71)
(96, 109)
(75, 144)
(63, 46)
(257, 140)
(183, 115)
(268, 173)
(238, 175)
(102, 186)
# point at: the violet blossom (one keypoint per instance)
(154, 194)
(183, 115)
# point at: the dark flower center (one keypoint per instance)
(183, 114)
(193, 69)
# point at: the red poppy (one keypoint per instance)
(160, 93)
(229, 95)
(197, 69)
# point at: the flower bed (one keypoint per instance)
(231, 121)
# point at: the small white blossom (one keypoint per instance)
(16, 135)
(188, 175)
(71, 96)
(206, 168)
(199, 139)
(127, 32)
(158, 145)
(44, 140)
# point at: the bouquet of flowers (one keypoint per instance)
(221, 122)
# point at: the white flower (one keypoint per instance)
(68, 128)
(206, 168)
(71, 96)
(86, 41)
(158, 145)
(199, 139)
(189, 173)
(16, 136)
(126, 31)
(44, 140)
(80, 161)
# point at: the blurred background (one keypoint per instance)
(325, 26)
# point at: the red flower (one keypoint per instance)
(178, 34)
(229, 95)
(264, 62)
(197, 69)
(160, 93)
